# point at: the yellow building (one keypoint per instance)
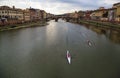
(100, 14)
(97, 14)
(118, 11)
(117, 6)
(44, 15)
(118, 14)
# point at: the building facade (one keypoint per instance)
(7, 12)
(19, 14)
(26, 15)
(117, 6)
(11, 13)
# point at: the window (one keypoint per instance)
(5, 11)
(2, 12)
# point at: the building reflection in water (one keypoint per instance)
(112, 34)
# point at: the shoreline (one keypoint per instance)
(98, 23)
(25, 25)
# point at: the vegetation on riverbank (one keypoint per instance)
(98, 23)
(24, 25)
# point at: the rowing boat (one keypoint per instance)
(89, 43)
(68, 57)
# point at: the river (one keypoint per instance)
(40, 52)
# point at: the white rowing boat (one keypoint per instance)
(89, 43)
(68, 57)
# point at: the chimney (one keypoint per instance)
(13, 7)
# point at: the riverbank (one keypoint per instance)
(98, 23)
(25, 25)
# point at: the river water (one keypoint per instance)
(40, 52)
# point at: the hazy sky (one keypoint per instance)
(59, 6)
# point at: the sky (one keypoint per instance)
(60, 6)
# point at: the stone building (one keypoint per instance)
(36, 14)
(19, 14)
(87, 14)
(33, 15)
(7, 12)
(81, 14)
(26, 15)
(11, 13)
(43, 14)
